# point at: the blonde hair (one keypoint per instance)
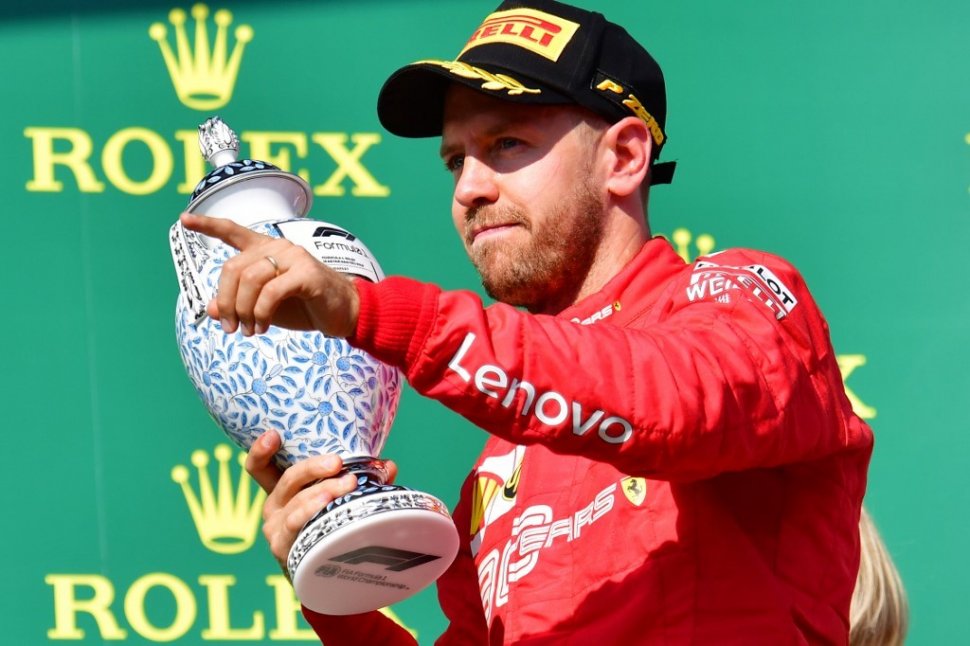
(879, 614)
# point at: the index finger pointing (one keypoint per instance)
(222, 228)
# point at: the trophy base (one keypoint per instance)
(371, 548)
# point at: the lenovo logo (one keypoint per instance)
(550, 408)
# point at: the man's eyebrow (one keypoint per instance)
(494, 130)
(446, 149)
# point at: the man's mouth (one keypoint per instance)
(480, 233)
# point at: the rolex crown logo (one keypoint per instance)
(682, 238)
(226, 520)
(203, 77)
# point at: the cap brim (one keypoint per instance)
(411, 103)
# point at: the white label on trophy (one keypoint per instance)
(334, 246)
(189, 255)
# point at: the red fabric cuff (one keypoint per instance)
(395, 317)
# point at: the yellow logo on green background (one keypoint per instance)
(681, 239)
(204, 76)
(225, 516)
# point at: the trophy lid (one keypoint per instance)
(220, 147)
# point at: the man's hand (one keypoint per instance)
(297, 494)
(275, 282)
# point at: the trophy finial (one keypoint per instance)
(218, 142)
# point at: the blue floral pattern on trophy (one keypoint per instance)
(319, 393)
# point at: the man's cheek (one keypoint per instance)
(543, 181)
(458, 220)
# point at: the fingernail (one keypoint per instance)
(247, 329)
(331, 462)
(224, 322)
(268, 439)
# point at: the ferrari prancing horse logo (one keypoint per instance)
(635, 489)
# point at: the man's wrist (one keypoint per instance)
(351, 309)
(394, 318)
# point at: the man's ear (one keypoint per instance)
(632, 146)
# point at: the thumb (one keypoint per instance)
(259, 460)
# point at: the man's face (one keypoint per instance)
(526, 203)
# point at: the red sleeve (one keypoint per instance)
(708, 386)
(354, 630)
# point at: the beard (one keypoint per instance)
(545, 273)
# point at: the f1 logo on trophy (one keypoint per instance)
(380, 543)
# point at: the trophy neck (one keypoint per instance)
(374, 469)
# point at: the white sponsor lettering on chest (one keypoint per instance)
(596, 316)
(550, 407)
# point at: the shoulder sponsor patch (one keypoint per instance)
(719, 283)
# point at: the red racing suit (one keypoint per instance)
(673, 460)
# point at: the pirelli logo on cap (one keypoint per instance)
(539, 32)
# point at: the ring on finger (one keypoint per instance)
(276, 265)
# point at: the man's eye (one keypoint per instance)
(454, 163)
(507, 142)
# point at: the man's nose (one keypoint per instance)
(477, 184)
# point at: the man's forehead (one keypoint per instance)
(466, 107)
(462, 103)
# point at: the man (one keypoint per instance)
(672, 459)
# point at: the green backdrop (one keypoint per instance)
(835, 134)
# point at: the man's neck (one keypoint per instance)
(623, 237)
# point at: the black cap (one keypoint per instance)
(542, 52)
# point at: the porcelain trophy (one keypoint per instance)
(382, 542)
